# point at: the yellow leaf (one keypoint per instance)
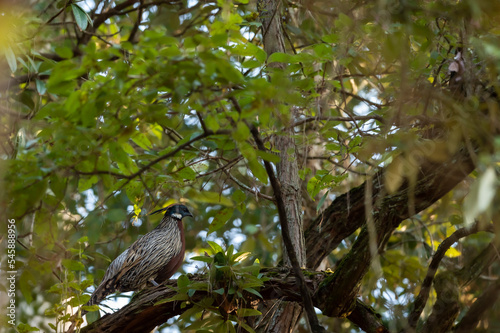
(452, 253)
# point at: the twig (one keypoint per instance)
(137, 23)
(249, 189)
(324, 118)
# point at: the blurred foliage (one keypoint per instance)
(108, 114)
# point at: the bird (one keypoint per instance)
(151, 259)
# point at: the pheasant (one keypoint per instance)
(153, 258)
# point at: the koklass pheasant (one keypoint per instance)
(153, 258)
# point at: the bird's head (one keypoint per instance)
(177, 211)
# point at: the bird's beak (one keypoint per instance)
(189, 214)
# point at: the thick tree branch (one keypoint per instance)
(347, 212)
(148, 308)
(389, 211)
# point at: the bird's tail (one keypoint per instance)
(104, 289)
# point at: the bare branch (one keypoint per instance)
(421, 299)
(324, 118)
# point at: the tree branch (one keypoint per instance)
(366, 318)
(337, 222)
(421, 299)
(324, 118)
(447, 306)
(148, 308)
(347, 212)
(478, 308)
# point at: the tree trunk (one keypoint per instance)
(282, 316)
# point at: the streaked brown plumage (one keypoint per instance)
(153, 258)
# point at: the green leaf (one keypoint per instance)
(323, 51)
(266, 156)
(64, 52)
(321, 201)
(332, 38)
(93, 314)
(73, 265)
(216, 248)
(278, 57)
(77, 301)
(239, 196)
(229, 72)
(40, 86)
(203, 258)
(203, 286)
(240, 256)
(258, 170)
(11, 59)
(207, 322)
(211, 198)
(313, 186)
(86, 183)
(243, 324)
(58, 186)
(251, 156)
(186, 173)
(183, 281)
(81, 17)
(247, 312)
(212, 123)
(24, 328)
(142, 141)
(219, 291)
(242, 132)
(220, 219)
(251, 64)
(90, 308)
(253, 291)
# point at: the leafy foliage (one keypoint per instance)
(113, 109)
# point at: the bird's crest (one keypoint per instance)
(162, 209)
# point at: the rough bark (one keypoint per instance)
(288, 176)
(366, 318)
(285, 315)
